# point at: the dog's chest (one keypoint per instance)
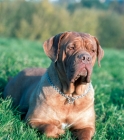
(56, 108)
(66, 115)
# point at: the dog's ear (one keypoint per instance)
(100, 52)
(52, 46)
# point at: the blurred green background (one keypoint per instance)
(25, 25)
(41, 19)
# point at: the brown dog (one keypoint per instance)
(63, 97)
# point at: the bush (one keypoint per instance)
(41, 20)
(111, 30)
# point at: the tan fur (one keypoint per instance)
(45, 108)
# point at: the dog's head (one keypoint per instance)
(75, 54)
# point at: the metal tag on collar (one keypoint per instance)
(70, 100)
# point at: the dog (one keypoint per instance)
(61, 96)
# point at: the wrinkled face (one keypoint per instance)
(75, 55)
(78, 55)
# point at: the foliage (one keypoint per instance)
(41, 20)
(108, 82)
(113, 5)
(112, 32)
(94, 4)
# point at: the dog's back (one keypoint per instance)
(22, 85)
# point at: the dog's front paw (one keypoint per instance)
(84, 134)
(53, 131)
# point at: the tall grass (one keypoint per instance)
(108, 82)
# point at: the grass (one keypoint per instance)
(108, 82)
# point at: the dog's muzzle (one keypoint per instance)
(84, 58)
(80, 68)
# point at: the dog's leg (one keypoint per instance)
(50, 130)
(84, 134)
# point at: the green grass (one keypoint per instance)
(108, 82)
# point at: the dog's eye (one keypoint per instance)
(71, 47)
(93, 51)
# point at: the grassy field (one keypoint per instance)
(108, 82)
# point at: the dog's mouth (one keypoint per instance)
(80, 74)
(81, 78)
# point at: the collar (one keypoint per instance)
(69, 98)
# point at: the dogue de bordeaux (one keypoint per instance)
(61, 96)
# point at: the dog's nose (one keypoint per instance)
(85, 58)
